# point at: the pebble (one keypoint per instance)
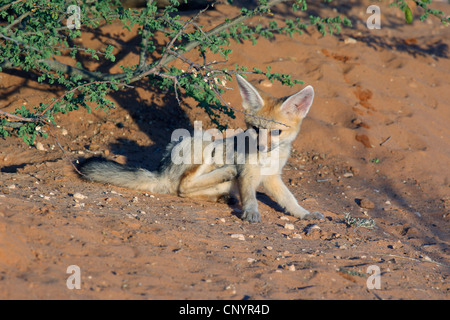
(348, 175)
(313, 229)
(40, 146)
(350, 41)
(366, 204)
(289, 226)
(79, 196)
(239, 236)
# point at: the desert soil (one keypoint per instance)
(375, 146)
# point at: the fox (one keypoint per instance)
(227, 178)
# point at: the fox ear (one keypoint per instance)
(251, 100)
(299, 103)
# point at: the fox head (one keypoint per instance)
(282, 117)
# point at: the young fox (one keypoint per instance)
(213, 180)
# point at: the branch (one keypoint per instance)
(144, 42)
(69, 70)
(5, 7)
(168, 56)
(75, 89)
(18, 20)
(16, 117)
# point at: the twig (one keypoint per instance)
(386, 140)
(18, 20)
(20, 43)
(6, 6)
(14, 116)
(75, 89)
(175, 83)
(64, 151)
(162, 61)
(144, 43)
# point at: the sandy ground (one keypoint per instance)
(375, 145)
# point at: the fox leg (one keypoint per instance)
(198, 181)
(248, 182)
(278, 190)
(227, 189)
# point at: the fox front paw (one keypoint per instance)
(316, 215)
(306, 215)
(251, 216)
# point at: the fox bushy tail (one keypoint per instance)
(105, 171)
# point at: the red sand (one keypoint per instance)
(378, 130)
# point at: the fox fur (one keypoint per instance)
(220, 179)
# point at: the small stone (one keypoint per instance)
(291, 267)
(348, 175)
(251, 260)
(289, 226)
(350, 41)
(40, 146)
(64, 132)
(239, 236)
(313, 231)
(366, 204)
(79, 196)
(94, 147)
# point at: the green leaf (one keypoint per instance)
(408, 14)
